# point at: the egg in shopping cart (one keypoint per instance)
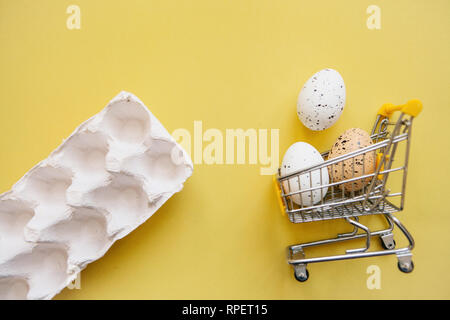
(351, 140)
(299, 156)
(321, 100)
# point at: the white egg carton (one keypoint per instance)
(112, 173)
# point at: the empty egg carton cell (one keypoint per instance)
(44, 268)
(127, 121)
(85, 154)
(84, 233)
(123, 197)
(14, 216)
(45, 186)
(13, 288)
(163, 164)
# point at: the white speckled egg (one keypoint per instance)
(302, 155)
(321, 100)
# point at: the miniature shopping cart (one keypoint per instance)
(391, 144)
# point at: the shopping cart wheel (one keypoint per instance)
(406, 268)
(301, 276)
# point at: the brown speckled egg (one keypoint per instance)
(351, 140)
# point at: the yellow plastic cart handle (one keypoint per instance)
(278, 193)
(379, 156)
(412, 108)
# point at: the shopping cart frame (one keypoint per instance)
(370, 200)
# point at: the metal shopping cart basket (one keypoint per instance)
(375, 197)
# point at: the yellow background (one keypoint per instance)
(233, 64)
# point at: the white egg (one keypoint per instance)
(302, 155)
(321, 100)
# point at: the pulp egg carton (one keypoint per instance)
(112, 173)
